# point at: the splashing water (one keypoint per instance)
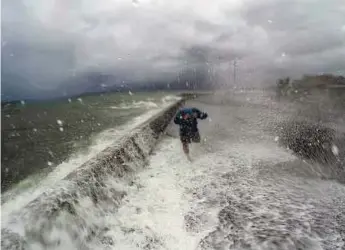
(242, 191)
(17, 197)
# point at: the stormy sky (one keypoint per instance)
(45, 43)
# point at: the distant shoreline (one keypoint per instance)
(42, 100)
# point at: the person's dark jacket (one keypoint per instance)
(187, 121)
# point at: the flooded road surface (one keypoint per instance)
(253, 184)
(243, 190)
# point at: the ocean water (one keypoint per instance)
(243, 190)
(53, 138)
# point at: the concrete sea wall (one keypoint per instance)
(86, 192)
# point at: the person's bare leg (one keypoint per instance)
(185, 148)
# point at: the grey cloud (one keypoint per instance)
(301, 27)
(303, 44)
(47, 42)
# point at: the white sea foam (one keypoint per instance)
(31, 187)
(149, 103)
(241, 191)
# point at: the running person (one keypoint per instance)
(187, 119)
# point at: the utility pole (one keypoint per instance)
(235, 69)
(234, 64)
(195, 80)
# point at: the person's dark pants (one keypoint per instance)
(190, 136)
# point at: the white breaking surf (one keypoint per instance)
(242, 191)
(175, 203)
(153, 214)
(33, 186)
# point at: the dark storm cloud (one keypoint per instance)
(309, 35)
(299, 27)
(46, 42)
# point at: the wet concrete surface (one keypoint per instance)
(271, 196)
